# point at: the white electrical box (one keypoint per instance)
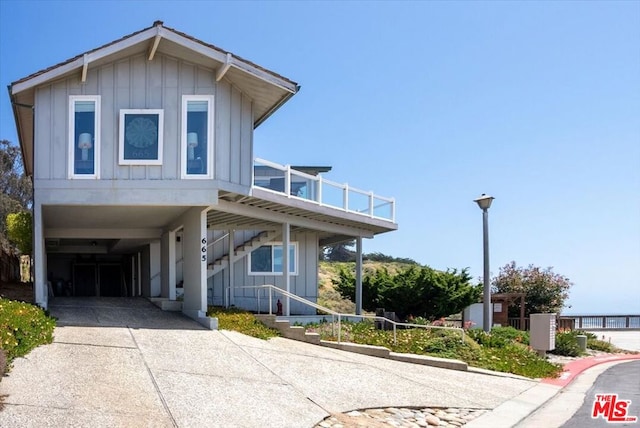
(543, 332)
(474, 315)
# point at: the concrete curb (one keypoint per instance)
(382, 352)
(535, 408)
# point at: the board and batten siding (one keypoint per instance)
(304, 284)
(136, 83)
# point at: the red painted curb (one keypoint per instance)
(574, 368)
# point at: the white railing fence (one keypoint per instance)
(272, 289)
(282, 179)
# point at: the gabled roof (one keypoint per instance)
(267, 89)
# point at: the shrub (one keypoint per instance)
(416, 291)
(567, 344)
(23, 327)
(511, 334)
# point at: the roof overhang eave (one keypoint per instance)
(224, 58)
(26, 163)
(273, 109)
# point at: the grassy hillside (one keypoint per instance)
(329, 297)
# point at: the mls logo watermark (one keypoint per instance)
(611, 409)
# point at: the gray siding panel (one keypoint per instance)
(304, 284)
(246, 142)
(59, 138)
(109, 124)
(223, 132)
(43, 123)
(236, 118)
(136, 83)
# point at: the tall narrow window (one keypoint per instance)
(84, 136)
(197, 136)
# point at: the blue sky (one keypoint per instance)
(433, 103)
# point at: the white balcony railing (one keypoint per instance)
(284, 180)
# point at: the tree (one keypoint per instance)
(339, 252)
(384, 258)
(15, 186)
(20, 231)
(545, 291)
(417, 291)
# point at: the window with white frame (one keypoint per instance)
(197, 136)
(267, 260)
(84, 136)
(141, 132)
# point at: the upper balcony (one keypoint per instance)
(294, 183)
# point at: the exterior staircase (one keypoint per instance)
(289, 331)
(242, 250)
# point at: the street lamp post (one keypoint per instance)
(484, 202)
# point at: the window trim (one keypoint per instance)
(71, 155)
(279, 273)
(210, 133)
(121, 132)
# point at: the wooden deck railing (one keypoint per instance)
(588, 322)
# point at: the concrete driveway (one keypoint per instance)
(124, 363)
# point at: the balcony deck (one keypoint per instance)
(287, 181)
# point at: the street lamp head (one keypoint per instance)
(484, 201)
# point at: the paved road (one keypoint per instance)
(125, 363)
(622, 379)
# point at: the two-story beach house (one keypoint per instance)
(145, 182)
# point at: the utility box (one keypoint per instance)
(474, 315)
(543, 332)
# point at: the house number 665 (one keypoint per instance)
(204, 249)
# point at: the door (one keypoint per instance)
(110, 280)
(85, 280)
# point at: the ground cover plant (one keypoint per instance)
(23, 327)
(241, 321)
(504, 349)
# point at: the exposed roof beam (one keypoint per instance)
(272, 216)
(225, 67)
(85, 67)
(72, 233)
(154, 46)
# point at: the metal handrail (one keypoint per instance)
(217, 240)
(333, 313)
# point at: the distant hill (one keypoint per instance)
(330, 298)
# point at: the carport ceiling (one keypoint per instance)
(110, 217)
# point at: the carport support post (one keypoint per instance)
(195, 263)
(168, 251)
(359, 275)
(286, 238)
(39, 259)
(230, 291)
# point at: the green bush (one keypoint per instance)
(511, 334)
(567, 344)
(22, 328)
(418, 291)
